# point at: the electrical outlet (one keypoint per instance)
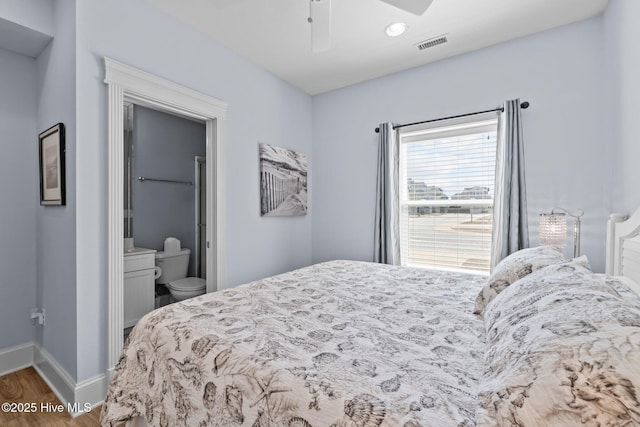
(37, 315)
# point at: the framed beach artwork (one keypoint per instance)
(283, 181)
(52, 172)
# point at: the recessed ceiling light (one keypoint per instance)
(396, 29)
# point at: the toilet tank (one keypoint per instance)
(173, 265)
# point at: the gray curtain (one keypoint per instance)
(387, 230)
(510, 229)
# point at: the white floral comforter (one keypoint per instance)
(336, 344)
(562, 349)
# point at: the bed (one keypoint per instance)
(542, 341)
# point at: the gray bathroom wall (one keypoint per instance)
(165, 147)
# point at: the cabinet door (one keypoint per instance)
(139, 295)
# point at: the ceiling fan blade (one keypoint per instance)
(417, 7)
(320, 20)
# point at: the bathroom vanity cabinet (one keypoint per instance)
(139, 284)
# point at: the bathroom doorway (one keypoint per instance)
(164, 196)
(125, 83)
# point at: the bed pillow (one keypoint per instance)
(516, 300)
(514, 267)
(560, 353)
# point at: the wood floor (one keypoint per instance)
(24, 389)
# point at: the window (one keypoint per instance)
(447, 179)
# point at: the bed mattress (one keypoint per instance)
(341, 343)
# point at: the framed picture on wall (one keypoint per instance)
(52, 172)
(283, 181)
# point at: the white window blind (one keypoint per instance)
(447, 178)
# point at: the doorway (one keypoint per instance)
(125, 83)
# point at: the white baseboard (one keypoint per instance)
(16, 358)
(91, 392)
(54, 375)
(78, 398)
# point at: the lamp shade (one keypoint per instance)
(553, 229)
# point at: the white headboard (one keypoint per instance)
(623, 246)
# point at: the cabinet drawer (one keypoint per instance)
(140, 262)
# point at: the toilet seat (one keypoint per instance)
(188, 284)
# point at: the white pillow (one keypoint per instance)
(514, 267)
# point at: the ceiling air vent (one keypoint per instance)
(432, 42)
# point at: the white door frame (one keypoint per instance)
(127, 83)
(198, 162)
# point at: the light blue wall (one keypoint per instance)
(559, 72)
(26, 25)
(19, 193)
(261, 108)
(622, 62)
(33, 14)
(165, 147)
(56, 225)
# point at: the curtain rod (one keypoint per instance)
(524, 105)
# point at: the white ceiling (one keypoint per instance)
(275, 34)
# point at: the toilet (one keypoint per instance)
(171, 271)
